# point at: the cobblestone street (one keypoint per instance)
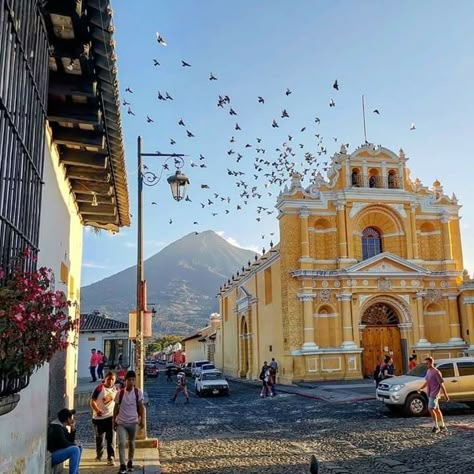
(243, 434)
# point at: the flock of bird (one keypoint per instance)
(271, 166)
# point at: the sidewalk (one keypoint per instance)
(146, 460)
(337, 391)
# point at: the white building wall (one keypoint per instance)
(23, 450)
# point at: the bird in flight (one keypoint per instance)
(284, 114)
(335, 85)
(237, 126)
(332, 103)
(212, 77)
(130, 111)
(187, 199)
(204, 186)
(181, 123)
(275, 124)
(127, 89)
(149, 119)
(153, 203)
(189, 134)
(412, 127)
(185, 64)
(376, 112)
(172, 142)
(261, 100)
(160, 39)
(171, 221)
(288, 92)
(167, 96)
(156, 63)
(161, 97)
(232, 111)
(125, 102)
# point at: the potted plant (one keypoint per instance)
(34, 325)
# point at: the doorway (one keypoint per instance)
(381, 337)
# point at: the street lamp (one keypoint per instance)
(178, 183)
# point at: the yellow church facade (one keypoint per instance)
(369, 263)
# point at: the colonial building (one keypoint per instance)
(62, 167)
(202, 344)
(369, 263)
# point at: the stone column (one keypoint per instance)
(304, 214)
(414, 235)
(308, 322)
(341, 231)
(447, 254)
(421, 320)
(454, 326)
(345, 300)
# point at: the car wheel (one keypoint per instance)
(415, 405)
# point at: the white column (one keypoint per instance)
(308, 322)
(347, 322)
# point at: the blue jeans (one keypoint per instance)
(123, 432)
(73, 453)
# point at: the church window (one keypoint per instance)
(371, 242)
(392, 180)
(355, 177)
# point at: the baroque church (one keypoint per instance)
(369, 263)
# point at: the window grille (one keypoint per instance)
(23, 99)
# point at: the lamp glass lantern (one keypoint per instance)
(179, 184)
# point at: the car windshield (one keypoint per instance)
(212, 376)
(418, 371)
(200, 364)
(208, 367)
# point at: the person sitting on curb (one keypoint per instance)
(129, 412)
(61, 441)
(102, 403)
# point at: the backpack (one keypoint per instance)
(262, 374)
(121, 393)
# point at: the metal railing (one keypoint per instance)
(23, 101)
(376, 181)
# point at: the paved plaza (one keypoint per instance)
(243, 434)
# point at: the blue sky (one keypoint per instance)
(412, 60)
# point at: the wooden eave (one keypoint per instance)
(84, 109)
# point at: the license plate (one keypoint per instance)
(215, 392)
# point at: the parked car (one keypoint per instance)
(174, 368)
(151, 370)
(187, 368)
(197, 365)
(211, 383)
(400, 393)
(204, 368)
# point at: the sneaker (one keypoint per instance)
(98, 459)
(443, 428)
(111, 462)
(130, 466)
(435, 429)
(123, 469)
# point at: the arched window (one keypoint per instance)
(371, 242)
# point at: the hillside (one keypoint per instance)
(182, 279)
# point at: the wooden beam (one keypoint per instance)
(101, 220)
(90, 188)
(78, 137)
(100, 210)
(74, 113)
(87, 198)
(85, 159)
(76, 172)
(68, 84)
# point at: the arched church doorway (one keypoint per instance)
(381, 337)
(244, 348)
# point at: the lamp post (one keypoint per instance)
(178, 183)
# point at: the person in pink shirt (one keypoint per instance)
(434, 384)
(94, 362)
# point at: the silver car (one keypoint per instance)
(400, 394)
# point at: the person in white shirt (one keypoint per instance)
(129, 412)
(102, 403)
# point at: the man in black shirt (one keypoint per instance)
(61, 443)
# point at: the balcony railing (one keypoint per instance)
(376, 181)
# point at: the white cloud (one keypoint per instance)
(93, 265)
(235, 243)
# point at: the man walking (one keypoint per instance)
(102, 403)
(128, 413)
(61, 443)
(435, 384)
(94, 362)
(100, 365)
(274, 367)
(181, 381)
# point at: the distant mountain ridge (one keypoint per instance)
(183, 279)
